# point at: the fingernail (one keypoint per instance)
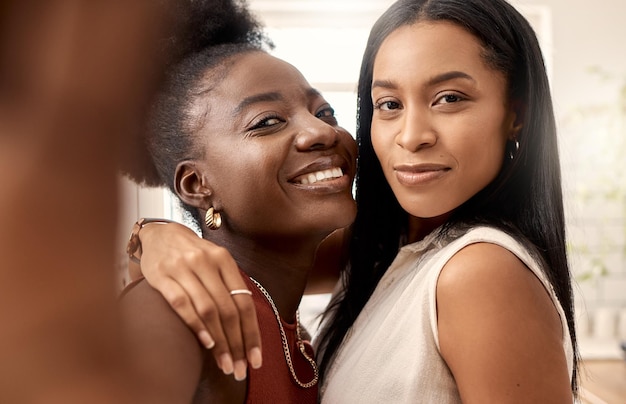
(240, 370)
(255, 358)
(226, 363)
(206, 339)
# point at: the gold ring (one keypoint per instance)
(240, 292)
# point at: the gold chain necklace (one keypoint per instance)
(286, 343)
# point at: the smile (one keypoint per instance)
(322, 175)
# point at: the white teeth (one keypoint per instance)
(312, 178)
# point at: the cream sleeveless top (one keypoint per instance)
(391, 354)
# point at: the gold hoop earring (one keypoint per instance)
(213, 219)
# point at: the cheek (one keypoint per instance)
(244, 197)
(239, 171)
(482, 160)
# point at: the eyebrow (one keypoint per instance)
(254, 99)
(450, 76)
(441, 78)
(311, 92)
(271, 96)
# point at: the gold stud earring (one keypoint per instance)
(513, 148)
(213, 219)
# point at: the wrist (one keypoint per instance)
(134, 247)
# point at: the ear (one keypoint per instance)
(191, 185)
(516, 119)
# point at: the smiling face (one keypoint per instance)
(441, 117)
(274, 159)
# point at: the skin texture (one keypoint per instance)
(441, 119)
(276, 130)
(499, 332)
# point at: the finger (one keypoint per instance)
(175, 294)
(213, 311)
(221, 314)
(250, 330)
(230, 323)
(188, 295)
(209, 298)
(247, 313)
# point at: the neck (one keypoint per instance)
(422, 227)
(281, 266)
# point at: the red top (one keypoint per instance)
(273, 383)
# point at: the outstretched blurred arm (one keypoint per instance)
(75, 76)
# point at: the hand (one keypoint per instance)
(196, 276)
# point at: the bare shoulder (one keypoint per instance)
(497, 323)
(139, 294)
(145, 312)
(160, 344)
(490, 266)
(168, 353)
(493, 281)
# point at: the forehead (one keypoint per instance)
(246, 84)
(430, 45)
(257, 72)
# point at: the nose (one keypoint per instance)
(416, 131)
(316, 135)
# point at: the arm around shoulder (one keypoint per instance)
(499, 331)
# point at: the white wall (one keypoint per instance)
(591, 113)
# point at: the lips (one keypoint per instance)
(321, 175)
(413, 175)
(330, 171)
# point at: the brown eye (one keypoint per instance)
(325, 113)
(387, 105)
(449, 98)
(266, 122)
(328, 115)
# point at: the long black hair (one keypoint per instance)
(207, 34)
(524, 200)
